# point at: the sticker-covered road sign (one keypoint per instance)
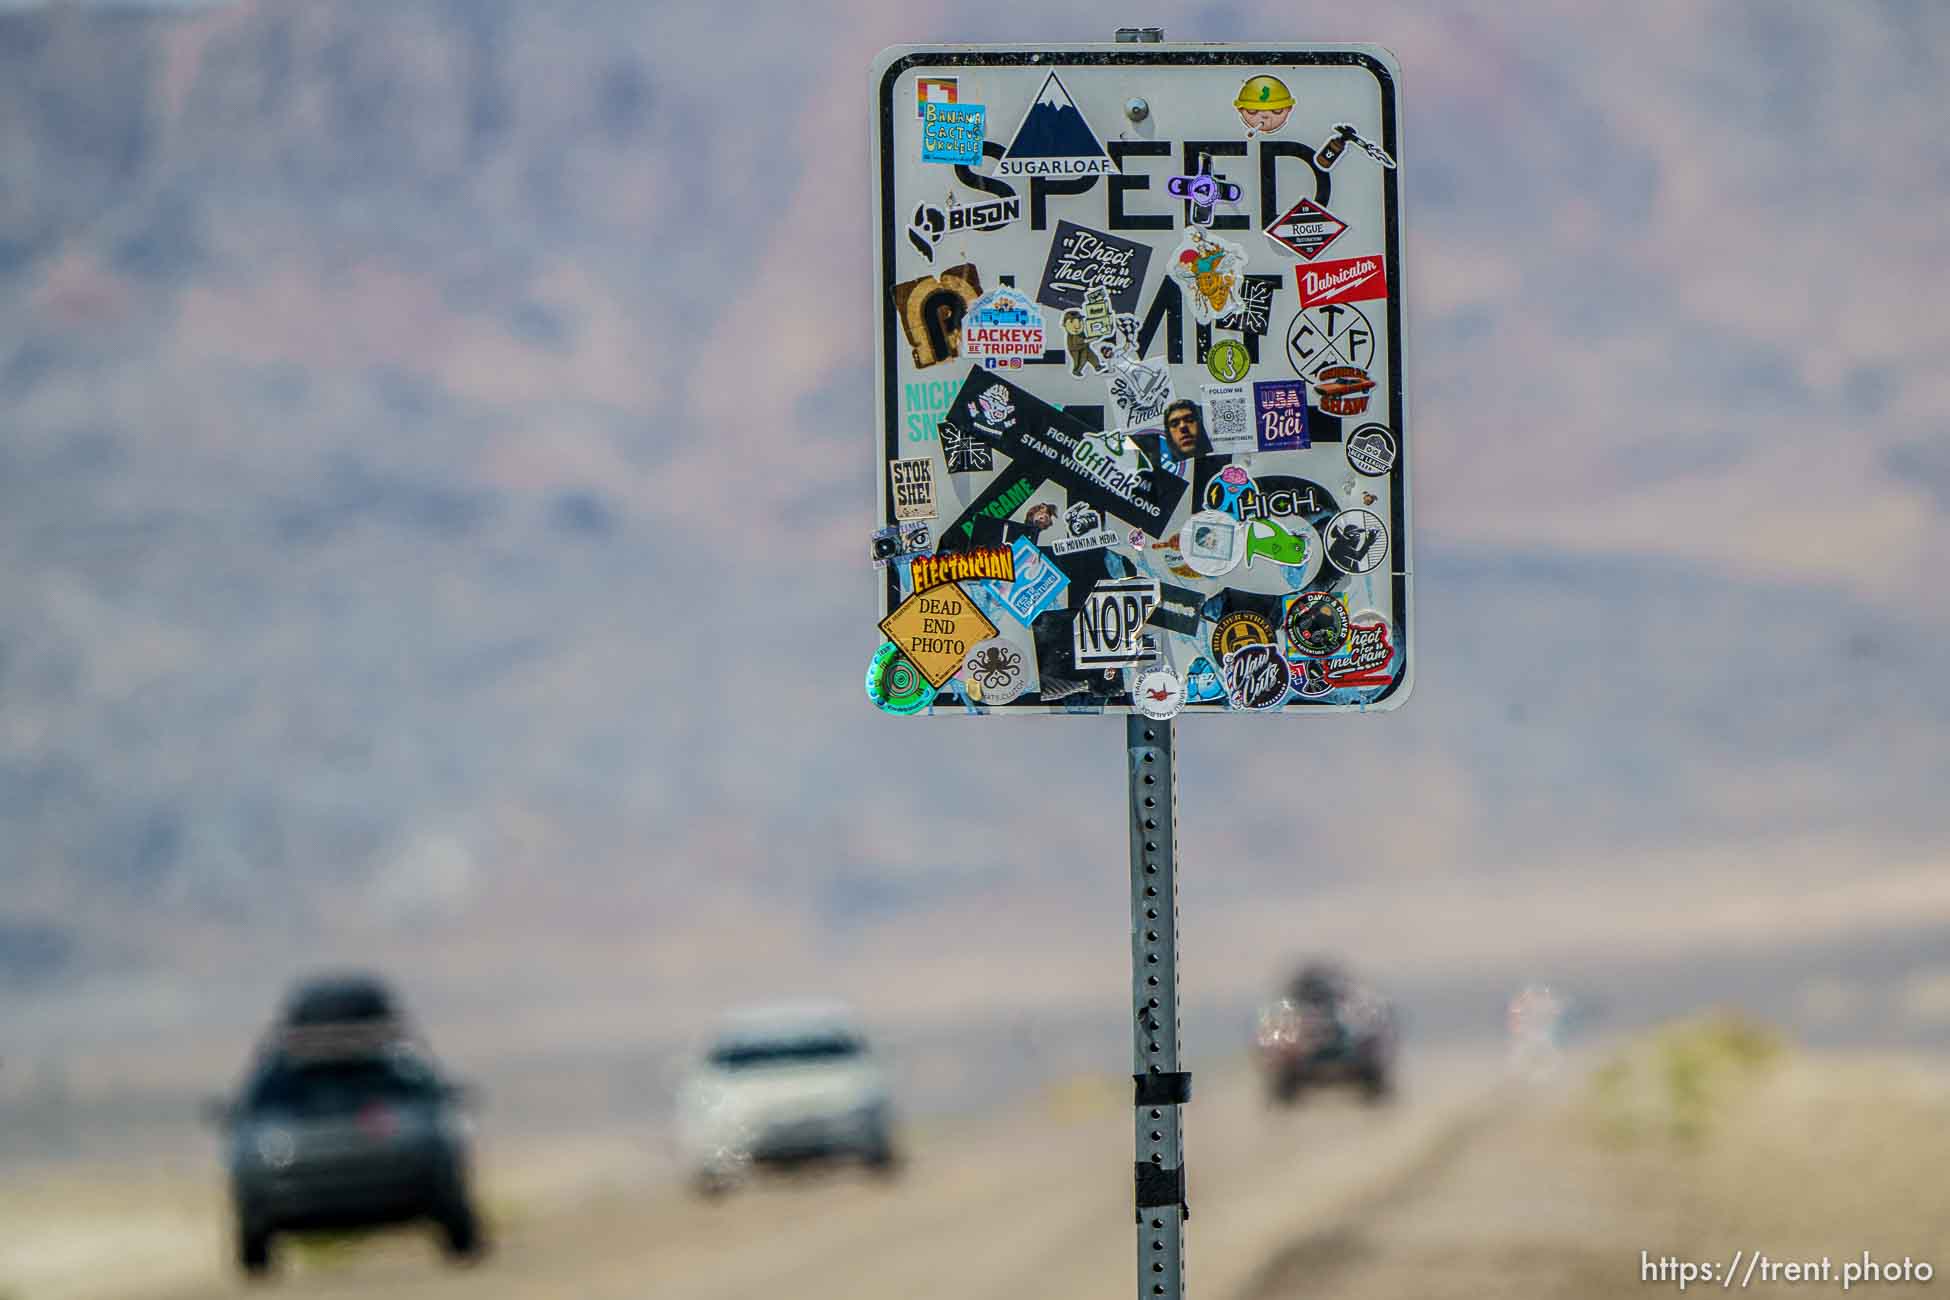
(1131, 389)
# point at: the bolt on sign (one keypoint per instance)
(1275, 268)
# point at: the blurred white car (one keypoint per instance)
(782, 1085)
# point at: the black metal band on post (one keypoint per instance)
(1162, 1089)
(1158, 1186)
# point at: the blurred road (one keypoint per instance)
(1033, 1203)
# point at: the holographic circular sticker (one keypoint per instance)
(895, 684)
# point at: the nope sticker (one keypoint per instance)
(935, 629)
(1109, 625)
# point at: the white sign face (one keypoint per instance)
(1140, 313)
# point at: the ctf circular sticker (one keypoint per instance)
(1331, 335)
(1212, 543)
(1242, 627)
(894, 683)
(994, 672)
(1159, 694)
(1370, 450)
(1316, 624)
(1228, 361)
(1357, 541)
(1257, 677)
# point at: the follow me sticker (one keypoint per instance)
(953, 133)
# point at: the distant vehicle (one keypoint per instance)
(345, 1124)
(1326, 1027)
(783, 1085)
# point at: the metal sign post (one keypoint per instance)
(1142, 444)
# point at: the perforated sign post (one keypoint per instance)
(1142, 446)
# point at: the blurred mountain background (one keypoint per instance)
(434, 478)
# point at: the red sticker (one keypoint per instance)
(1351, 279)
(1306, 228)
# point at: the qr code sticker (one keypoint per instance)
(1229, 418)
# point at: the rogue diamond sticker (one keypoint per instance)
(1306, 228)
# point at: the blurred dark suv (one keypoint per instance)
(1326, 1027)
(345, 1122)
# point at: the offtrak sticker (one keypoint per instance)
(1041, 438)
(995, 673)
(1108, 626)
(1352, 279)
(1004, 327)
(897, 541)
(1357, 541)
(1371, 450)
(1228, 361)
(894, 683)
(1081, 258)
(1257, 677)
(1054, 140)
(1316, 625)
(1305, 229)
(931, 309)
(1230, 411)
(1208, 271)
(1037, 584)
(953, 133)
(935, 628)
(935, 90)
(1158, 695)
(930, 222)
(1139, 390)
(1242, 627)
(1263, 104)
(1280, 414)
(1323, 338)
(1369, 655)
(981, 564)
(1202, 682)
(913, 482)
(1212, 543)
(1342, 390)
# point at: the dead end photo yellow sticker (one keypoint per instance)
(935, 628)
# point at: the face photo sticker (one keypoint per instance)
(1263, 104)
(1371, 450)
(931, 310)
(1209, 271)
(1212, 543)
(1185, 432)
(1316, 625)
(1357, 541)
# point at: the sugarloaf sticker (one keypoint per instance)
(1357, 541)
(1316, 625)
(1371, 450)
(1209, 271)
(953, 133)
(913, 482)
(1109, 626)
(1081, 258)
(931, 222)
(1330, 337)
(1242, 627)
(1158, 695)
(1041, 438)
(894, 683)
(1003, 327)
(1037, 584)
(1305, 229)
(1280, 414)
(1367, 660)
(1352, 279)
(935, 628)
(897, 541)
(980, 564)
(1053, 139)
(1257, 677)
(1212, 543)
(1263, 104)
(994, 672)
(931, 309)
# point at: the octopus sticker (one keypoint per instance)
(1209, 271)
(994, 672)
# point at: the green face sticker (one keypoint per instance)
(1268, 539)
(1228, 361)
(895, 684)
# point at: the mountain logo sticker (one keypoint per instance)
(1053, 139)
